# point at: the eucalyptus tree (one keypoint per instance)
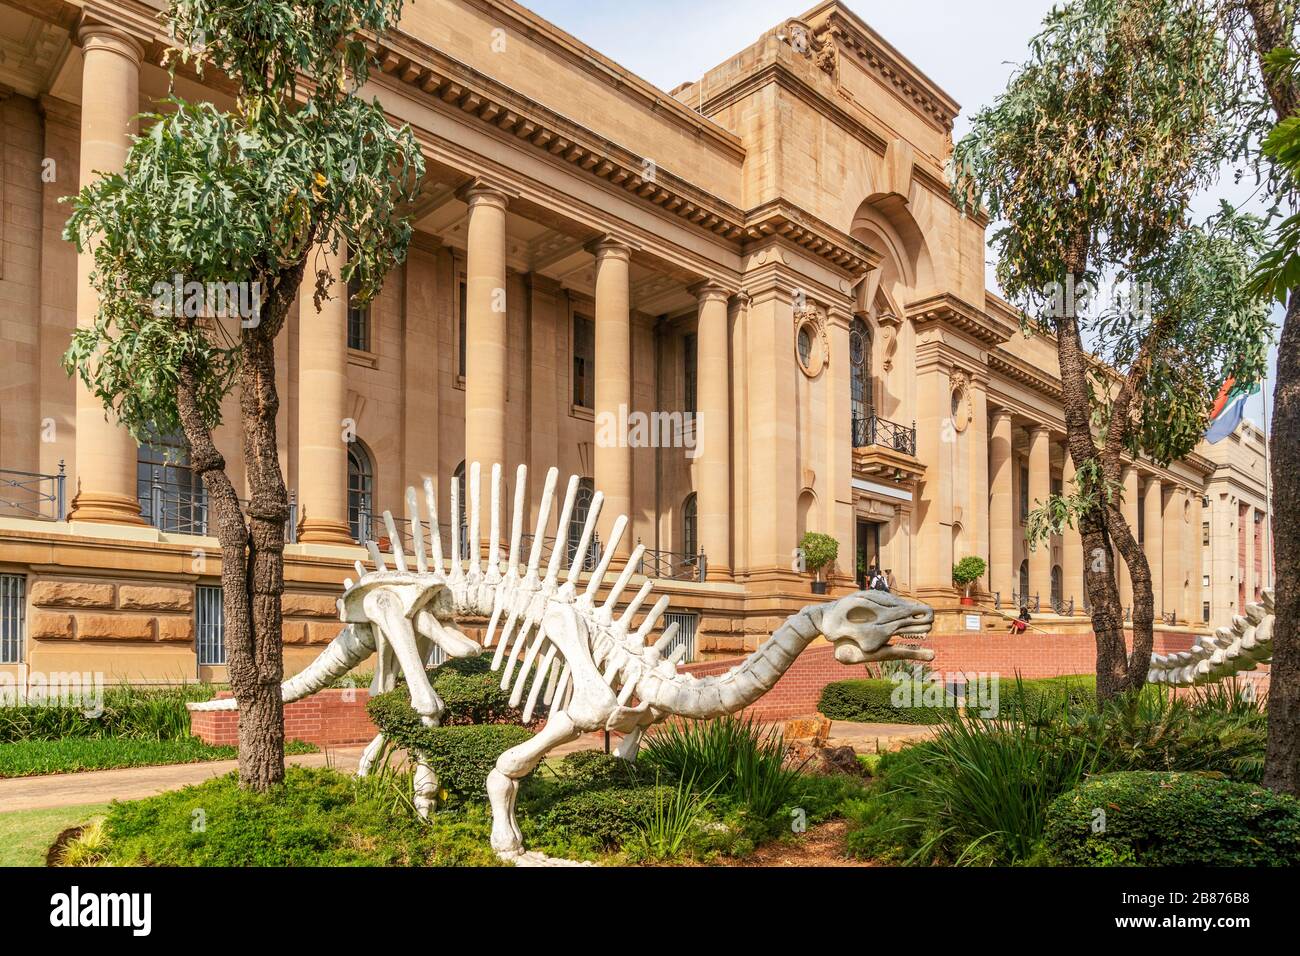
(1088, 162)
(238, 199)
(1263, 35)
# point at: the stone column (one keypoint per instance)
(1002, 571)
(1174, 576)
(713, 430)
(1153, 536)
(322, 403)
(977, 496)
(1040, 488)
(486, 350)
(613, 457)
(1071, 544)
(1196, 556)
(110, 99)
(1129, 509)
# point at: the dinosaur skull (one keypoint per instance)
(861, 625)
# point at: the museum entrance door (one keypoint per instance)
(868, 549)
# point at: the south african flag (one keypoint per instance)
(1229, 408)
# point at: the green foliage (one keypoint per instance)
(461, 756)
(735, 757)
(1172, 819)
(473, 694)
(126, 711)
(818, 550)
(871, 701)
(1110, 126)
(673, 819)
(609, 817)
(317, 817)
(239, 197)
(968, 570)
(979, 792)
(33, 757)
(1278, 270)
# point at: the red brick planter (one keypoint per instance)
(330, 718)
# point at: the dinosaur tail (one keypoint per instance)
(353, 645)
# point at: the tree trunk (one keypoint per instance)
(1282, 758)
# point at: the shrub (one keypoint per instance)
(594, 769)
(316, 817)
(472, 693)
(461, 756)
(609, 816)
(818, 550)
(872, 701)
(135, 712)
(1173, 819)
(735, 757)
(967, 571)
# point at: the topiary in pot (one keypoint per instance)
(818, 551)
(966, 572)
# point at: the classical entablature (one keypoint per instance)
(948, 310)
(1018, 370)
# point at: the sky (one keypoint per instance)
(968, 47)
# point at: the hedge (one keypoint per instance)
(872, 702)
(1172, 819)
(461, 756)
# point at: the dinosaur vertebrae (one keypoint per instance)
(1229, 650)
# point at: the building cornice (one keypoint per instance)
(1018, 370)
(947, 309)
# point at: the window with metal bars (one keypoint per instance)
(686, 625)
(13, 618)
(210, 625)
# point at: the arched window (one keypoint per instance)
(578, 521)
(1024, 581)
(860, 369)
(690, 526)
(361, 492)
(1057, 590)
(171, 496)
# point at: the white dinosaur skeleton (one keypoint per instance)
(1229, 650)
(587, 663)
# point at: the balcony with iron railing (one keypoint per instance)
(655, 563)
(26, 494)
(180, 510)
(882, 448)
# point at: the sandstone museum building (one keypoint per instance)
(742, 309)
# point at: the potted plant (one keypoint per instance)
(965, 573)
(818, 550)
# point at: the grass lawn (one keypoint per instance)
(27, 758)
(26, 835)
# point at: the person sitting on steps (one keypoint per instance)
(1021, 623)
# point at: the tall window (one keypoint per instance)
(210, 624)
(1024, 493)
(860, 369)
(690, 372)
(578, 520)
(171, 495)
(1058, 594)
(690, 526)
(1024, 581)
(361, 492)
(462, 328)
(13, 618)
(584, 361)
(358, 321)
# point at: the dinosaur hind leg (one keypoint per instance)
(512, 766)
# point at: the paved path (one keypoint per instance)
(864, 738)
(132, 783)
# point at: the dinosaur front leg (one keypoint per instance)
(369, 755)
(386, 611)
(512, 766)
